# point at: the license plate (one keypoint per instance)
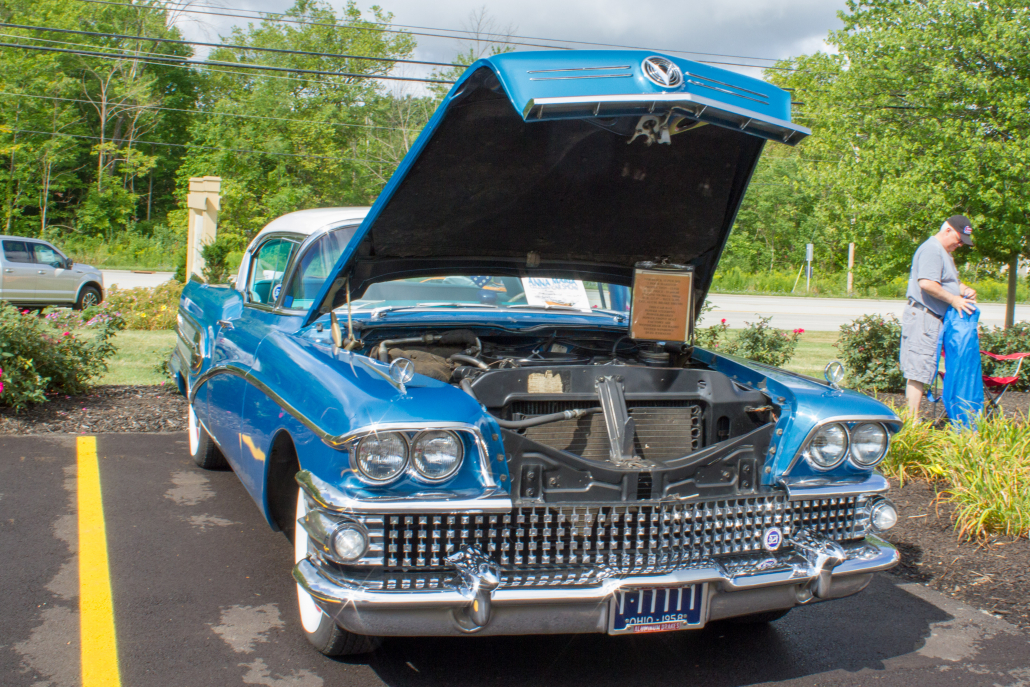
(656, 609)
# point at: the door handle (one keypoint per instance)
(8, 270)
(40, 271)
(225, 324)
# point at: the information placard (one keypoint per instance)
(663, 304)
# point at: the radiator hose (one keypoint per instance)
(466, 386)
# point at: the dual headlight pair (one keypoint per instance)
(429, 455)
(864, 444)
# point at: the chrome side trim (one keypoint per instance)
(230, 369)
(336, 441)
(697, 106)
(578, 69)
(330, 498)
(885, 419)
(806, 488)
(728, 85)
(584, 76)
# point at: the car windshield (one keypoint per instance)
(493, 291)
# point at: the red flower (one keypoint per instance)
(723, 321)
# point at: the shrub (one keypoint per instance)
(1016, 339)
(986, 472)
(764, 344)
(38, 357)
(710, 337)
(869, 349)
(144, 308)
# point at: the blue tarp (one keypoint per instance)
(963, 392)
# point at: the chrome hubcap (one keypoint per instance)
(89, 300)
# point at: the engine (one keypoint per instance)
(598, 418)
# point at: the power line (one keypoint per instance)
(223, 45)
(220, 114)
(502, 41)
(177, 61)
(191, 145)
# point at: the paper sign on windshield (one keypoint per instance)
(567, 292)
(663, 302)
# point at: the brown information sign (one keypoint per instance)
(662, 308)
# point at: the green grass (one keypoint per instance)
(138, 354)
(814, 350)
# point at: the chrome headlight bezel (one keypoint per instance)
(363, 471)
(414, 460)
(853, 455)
(810, 450)
(469, 440)
(849, 424)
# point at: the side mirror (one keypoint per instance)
(69, 263)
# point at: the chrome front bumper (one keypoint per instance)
(816, 569)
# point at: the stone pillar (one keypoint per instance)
(204, 202)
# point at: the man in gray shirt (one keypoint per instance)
(933, 287)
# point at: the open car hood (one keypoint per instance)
(571, 164)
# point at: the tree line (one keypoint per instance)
(919, 110)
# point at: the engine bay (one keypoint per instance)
(594, 416)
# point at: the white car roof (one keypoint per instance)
(307, 222)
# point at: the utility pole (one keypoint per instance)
(809, 249)
(1010, 302)
(851, 266)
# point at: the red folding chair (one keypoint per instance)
(995, 387)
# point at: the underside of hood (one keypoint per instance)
(570, 177)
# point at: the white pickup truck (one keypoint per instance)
(33, 273)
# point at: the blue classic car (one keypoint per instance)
(460, 403)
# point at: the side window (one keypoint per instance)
(267, 269)
(17, 251)
(314, 268)
(45, 255)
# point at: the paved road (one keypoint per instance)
(126, 279)
(202, 596)
(823, 314)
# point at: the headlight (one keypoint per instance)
(349, 542)
(436, 455)
(883, 516)
(382, 457)
(828, 447)
(868, 444)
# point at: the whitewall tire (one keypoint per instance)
(319, 628)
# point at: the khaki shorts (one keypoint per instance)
(919, 333)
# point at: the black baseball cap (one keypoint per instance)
(964, 227)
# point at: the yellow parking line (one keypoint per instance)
(96, 610)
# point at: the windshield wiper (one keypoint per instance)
(379, 312)
(547, 306)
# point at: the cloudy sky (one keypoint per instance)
(753, 29)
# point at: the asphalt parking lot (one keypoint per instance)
(201, 594)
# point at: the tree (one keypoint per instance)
(922, 114)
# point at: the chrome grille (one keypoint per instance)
(628, 538)
(664, 431)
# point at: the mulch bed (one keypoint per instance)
(993, 575)
(105, 409)
(1013, 404)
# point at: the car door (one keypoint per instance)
(235, 345)
(54, 283)
(19, 272)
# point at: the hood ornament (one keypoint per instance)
(662, 72)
